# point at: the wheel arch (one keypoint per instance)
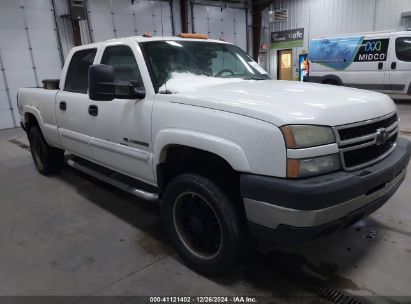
(332, 79)
(195, 151)
(227, 150)
(32, 117)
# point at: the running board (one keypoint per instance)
(111, 177)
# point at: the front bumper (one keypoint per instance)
(294, 210)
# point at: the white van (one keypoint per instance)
(379, 61)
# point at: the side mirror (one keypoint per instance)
(103, 88)
(100, 82)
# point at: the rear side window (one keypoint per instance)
(124, 64)
(403, 48)
(77, 73)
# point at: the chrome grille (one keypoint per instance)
(364, 143)
(367, 129)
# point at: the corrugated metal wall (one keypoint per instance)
(227, 21)
(66, 29)
(35, 39)
(330, 17)
(119, 18)
(29, 51)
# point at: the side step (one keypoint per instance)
(113, 178)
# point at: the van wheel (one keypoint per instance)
(47, 159)
(204, 226)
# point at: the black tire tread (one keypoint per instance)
(232, 222)
(53, 157)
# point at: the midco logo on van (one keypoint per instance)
(372, 50)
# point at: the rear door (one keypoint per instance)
(72, 104)
(400, 65)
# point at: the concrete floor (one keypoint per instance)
(69, 234)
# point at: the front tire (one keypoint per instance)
(47, 159)
(205, 227)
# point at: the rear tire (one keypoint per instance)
(47, 159)
(205, 227)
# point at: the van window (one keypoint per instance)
(124, 64)
(403, 48)
(77, 73)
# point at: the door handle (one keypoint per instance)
(93, 110)
(63, 105)
(380, 65)
(393, 65)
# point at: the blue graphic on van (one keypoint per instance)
(335, 53)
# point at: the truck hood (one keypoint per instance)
(287, 102)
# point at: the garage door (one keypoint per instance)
(28, 51)
(217, 22)
(113, 19)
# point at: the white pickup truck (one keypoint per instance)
(197, 125)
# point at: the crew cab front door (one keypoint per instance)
(72, 104)
(120, 129)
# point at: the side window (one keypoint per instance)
(77, 73)
(403, 48)
(124, 64)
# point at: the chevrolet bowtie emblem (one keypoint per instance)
(382, 136)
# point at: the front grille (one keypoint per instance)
(367, 154)
(362, 144)
(363, 130)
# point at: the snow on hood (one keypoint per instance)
(188, 82)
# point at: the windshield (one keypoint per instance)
(169, 59)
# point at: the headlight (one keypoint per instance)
(303, 136)
(312, 166)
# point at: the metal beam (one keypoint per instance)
(256, 33)
(57, 30)
(257, 7)
(184, 16)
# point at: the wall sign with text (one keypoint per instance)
(287, 39)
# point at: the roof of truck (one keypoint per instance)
(146, 39)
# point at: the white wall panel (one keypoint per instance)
(332, 17)
(28, 49)
(6, 120)
(113, 19)
(218, 22)
(388, 11)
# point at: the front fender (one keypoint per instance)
(226, 149)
